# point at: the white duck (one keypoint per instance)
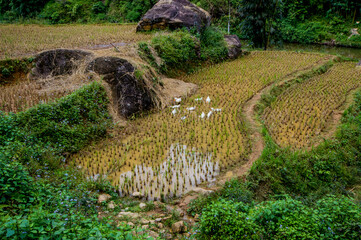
(208, 100)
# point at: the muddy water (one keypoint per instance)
(182, 171)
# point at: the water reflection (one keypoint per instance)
(181, 172)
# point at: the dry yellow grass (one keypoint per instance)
(167, 153)
(300, 115)
(20, 40)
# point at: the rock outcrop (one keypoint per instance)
(130, 93)
(174, 14)
(234, 46)
(57, 62)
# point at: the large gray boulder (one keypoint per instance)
(234, 46)
(57, 62)
(174, 14)
(129, 93)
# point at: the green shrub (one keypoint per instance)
(16, 186)
(285, 219)
(330, 218)
(213, 46)
(236, 191)
(338, 218)
(42, 133)
(227, 220)
(177, 50)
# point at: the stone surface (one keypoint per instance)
(137, 195)
(128, 214)
(202, 191)
(103, 198)
(354, 32)
(234, 46)
(142, 205)
(196, 217)
(57, 62)
(144, 221)
(129, 93)
(178, 227)
(153, 234)
(111, 205)
(130, 224)
(174, 14)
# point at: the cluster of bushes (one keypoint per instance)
(184, 50)
(70, 11)
(329, 218)
(41, 196)
(11, 66)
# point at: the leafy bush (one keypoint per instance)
(16, 186)
(329, 218)
(237, 191)
(177, 50)
(213, 46)
(227, 220)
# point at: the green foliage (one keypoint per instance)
(259, 20)
(227, 220)
(177, 50)
(63, 126)
(16, 8)
(183, 50)
(329, 218)
(15, 184)
(10, 66)
(237, 191)
(213, 46)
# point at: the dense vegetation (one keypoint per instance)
(41, 197)
(271, 21)
(185, 51)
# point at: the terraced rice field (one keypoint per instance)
(20, 40)
(25, 93)
(170, 152)
(300, 115)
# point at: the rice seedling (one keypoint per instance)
(300, 116)
(24, 93)
(19, 40)
(149, 157)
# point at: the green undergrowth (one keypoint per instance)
(184, 51)
(11, 66)
(293, 194)
(41, 195)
